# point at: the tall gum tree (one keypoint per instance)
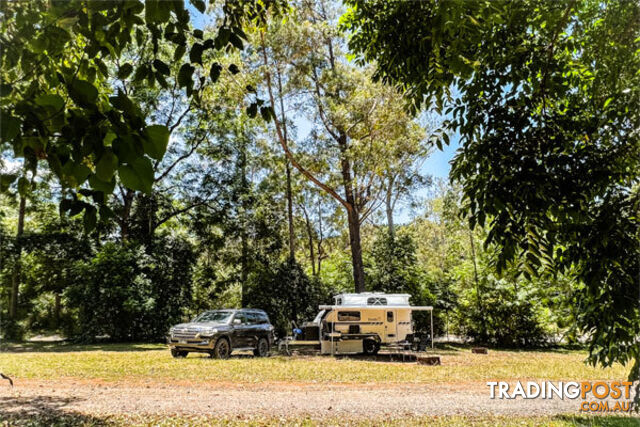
(358, 127)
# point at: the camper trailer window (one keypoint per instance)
(348, 316)
(389, 316)
(376, 301)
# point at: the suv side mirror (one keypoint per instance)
(237, 321)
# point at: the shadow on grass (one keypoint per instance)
(454, 347)
(44, 411)
(63, 347)
(598, 421)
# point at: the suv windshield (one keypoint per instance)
(214, 317)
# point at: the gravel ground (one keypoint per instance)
(272, 399)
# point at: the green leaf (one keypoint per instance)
(99, 185)
(124, 104)
(83, 93)
(80, 172)
(156, 11)
(179, 53)
(106, 166)
(195, 56)
(236, 41)
(156, 141)
(252, 110)
(138, 175)
(184, 75)
(6, 180)
(5, 90)
(222, 38)
(266, 113)
(125, 71)
(234, 69)
(215, 72)
(90, 218)
(161, 67)
(607, 102)
(9, 127)
(23, 186)
(109, 138)
(50, 100)
(200, 5)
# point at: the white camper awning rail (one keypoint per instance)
(381, 307)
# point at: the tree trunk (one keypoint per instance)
(244, 268)
(475, 273)
(17, 269)
(320, 240)
(56, 310)
(388, 204)
(356, 251)
(244, 256)
(127, 200)
(353, 217)
(390, 226)
(292, 242)
(312, 255)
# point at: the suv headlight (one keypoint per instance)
(208, 333)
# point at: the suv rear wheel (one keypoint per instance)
(262, 350)
(222, 349)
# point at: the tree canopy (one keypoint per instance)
(545, 97)
(73, 116)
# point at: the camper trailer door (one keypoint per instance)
(390, 329)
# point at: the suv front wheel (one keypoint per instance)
(262, 350)
(222, 349)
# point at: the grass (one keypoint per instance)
(116, 362)
(66, 419)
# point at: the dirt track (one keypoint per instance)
(273, 399)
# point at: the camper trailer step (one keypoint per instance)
(429, 360)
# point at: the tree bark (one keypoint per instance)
(353, 217)
(127, 203)
(389, 210)
(56, 310)
(312, 255)
(475, 273)
(244, 256)
(292, 246)
(292, 241)
(356, 251)
(320, 240)
(17, 269)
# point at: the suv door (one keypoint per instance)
(253, 330)
(240, 330)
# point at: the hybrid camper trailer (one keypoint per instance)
(362, 323)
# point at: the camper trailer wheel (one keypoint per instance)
(262, 350)
(370, 347)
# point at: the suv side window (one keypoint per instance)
(262, 318)
(252, 318)
(244, 320)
